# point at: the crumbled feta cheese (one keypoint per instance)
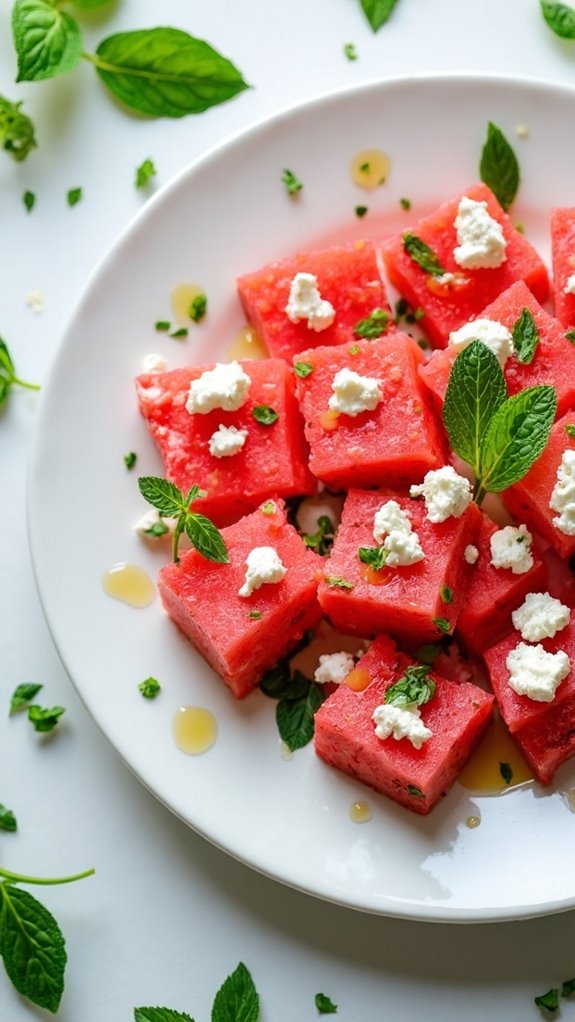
(522, 130)
(225, 386)
(392, 527)
(445, 493)
(35, 301)
(540, 616)
(511, 548)
(445, 278)
(569, 288)
(481, 243)
(494, 335)
(226, 441)
(397, 722)
(354, 394)
(471, 554)
(535, 673)
(145, 525)
(305, 302)
(333, 667)
(153, 363)
(387, 518)
(263, 567)
(563, 495)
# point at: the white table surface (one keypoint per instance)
(167, 916)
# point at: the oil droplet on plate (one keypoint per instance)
(360, 812)
(496, 757)
(182, 297)
(472, 822)
(194, 729)
(370, 168)
(129, 584)
(247, 344)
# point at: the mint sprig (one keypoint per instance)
(560, 18)
(498, 167)
(378, 12)
(525, 337)
(414, 688)
(171, 502)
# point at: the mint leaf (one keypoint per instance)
(22, 695)
(88, 5)
(567, 987)
(237, 999)
(377, 12)
(374, 325)
(516, 436)
(302, 369)
(446, 594)
(414, 791)
(160, 1015)
(208, 541)
(32, 947)
(164, 72)
(166, 497)
(295, 717)
(198, 307)
(144, 173)
(16, 133)
(322, 540)
(44, 720)
(375, 556)
(29, 200)
(292, 183)
(414, 688)
(130, 460)
(265, 415)
(475, 391)
(7, 819)
(506, 772)
(423, 255)
(498, 166)
(525, 337)
(442, 624)
(150, 688)
(73, 196)
(548, 1001)
(560, 18)
(324, 1005)
(335, 582)
(47, 40)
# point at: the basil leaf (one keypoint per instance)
(525, 337)
(265, 415)
(423, 255)
(375, 556)
(325, 1005)
(22, 694)
(16, 134)
(32, 947)
(160, 1015)
(165, 72)
(295, 717)
(548, 1001)
(163, 495)
(7, 819)
(414, 688)
(560, 18)
(47, 40)
(44, 720)
(237, 999)
(377, 11)
(498, 167)
(516, 436)
(208, 541)
(475, 391)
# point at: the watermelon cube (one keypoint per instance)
(416, 603)
(449, 304)
(345, 735)
(347, 276)
(553, 362)
(241, 637)
(543, 730)
(273, 459)
(393, 444)
(493, 593)
(563, 253)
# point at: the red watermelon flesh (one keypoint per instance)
(348, 276)
(450, 305)
(563, 252)
(202, 598)
(415, 778)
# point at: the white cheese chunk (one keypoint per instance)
(35, 301)
(563, 495)
(305, 302)
(389, 517)
(492, 334)
(225, 386)
(154, 363)
(333, 667)
(264, 567)
(511, 548)
(145, 525)
(393, 529)
(540, 616)
(445, 493)
(227, 441)
(471, 554)
(354, 394)
(569, 288)
(480, 239)
(535, 673)
(397, 722)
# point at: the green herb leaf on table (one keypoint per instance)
(162, 326)
(237, 1000)
(144, 173)
(294, 716)
(498, 166)
(7, 819)
(29, 200)
(22, 695)
(32, 947)
(150, 688)
(516, 436)
(374, 325)
(414, 688)
(476, 389)
(130, 460)
(292, 182)
(350, 51)
(265, 415)
(560, 18)
(377, 12)
(198, 307)
(164, 72)
(47, 40)
(74, 196)
(160, 1015)
(549, 1001)
(16, 132)
(182, 331)
(423, 255)
(525, 337)
(375, 556)
(325, 1005)
(44, 719)
(169, 500)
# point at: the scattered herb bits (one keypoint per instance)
(162, 326)
(570, 429)
(548, 1001)
(22, 695)
(446, 594)
(180, 333)
(74, 196)
(7, 819)
(506, 772)
(16, 130)
(322, 540)
(350, 51)
(375, 556)
(265, 415)
(405, 203)
(442, 624)
(325, 1005)
(338, 583)
(374, 325)
(29, 200)
(198, 307)
(360, 211)
(144, 173)
(130, 459)
(44, 720)
(570, 335)
(150, 688)
(423, 255)
(292, 183)
(302, 369)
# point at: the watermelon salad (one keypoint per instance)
(408, 437)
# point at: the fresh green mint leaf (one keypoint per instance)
(237, 999)
(292, 183)
(525, 337)
(442, 624)
(160, 1015)
(164, 72)
(570, 429)
(568, 987)
(516, 436)
(73, 196)
(446, 594)
(47, 40)
(255, 615)
(325, 1005)
(498, 167)
(144, 173)
(322, 540)
(374, 325)
(302, 369)
(570, 336)
(377, 12)
(130, 459)
(405, 203)
(350, 51)
(335, 582)
(163, 495)
(181, 332)
(157, 530)
(22, 695)
(375, 556)
(560, 18)
(265, 415)
(476, 389)
(360, 211)
(29, 200)
(44, 719)
(206, 538)
(414, 688)
(294, 717)
(423, 255)
(16, 132)
(506, 772)
(150, 688)
(414, 791)
(198, 307)
(275, 681)
(7, 819)
(162, 326)
(548, 1001)
(32, 947)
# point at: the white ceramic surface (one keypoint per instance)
(225, 215)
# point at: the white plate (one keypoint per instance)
(226, 215)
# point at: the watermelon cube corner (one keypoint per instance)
(563, 256)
